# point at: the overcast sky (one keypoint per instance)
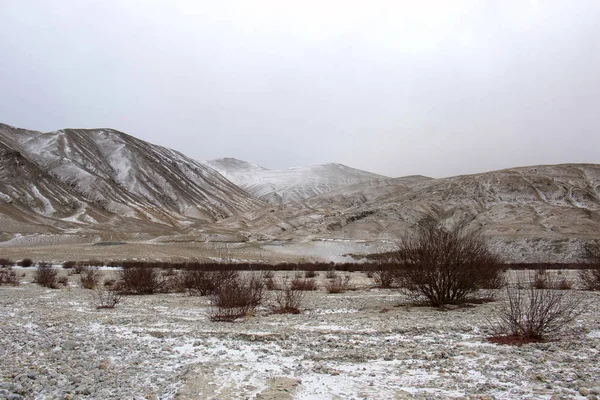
(438, 88)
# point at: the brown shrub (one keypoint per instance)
(105, 298)
(5, 262)
(139, 280)
(338, 284)
(445, 266)
(26, 263)
(238, 297)
(45, 275)
(63, 280)
(203, 283)
(536, 314)
(90, 277)
(288, 300)
(589, 278)
(8, 276)
(303, 284)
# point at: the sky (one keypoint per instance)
(437, 88)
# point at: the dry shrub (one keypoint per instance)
(288, 300)
(139, 280)
(546, 280)
(238, 297)
(534, 314)
(338, 284)
(331, 274)
(445, 265)
(589, 278)
(45, 275)
(63, 280)
(303, 284)
(203, 283)
(69, 264)
(5, 262)
(90, 277)
(26, 263)
(105, 298)
(271, 284)
(385, 278)
(8, 276)
(310, 274)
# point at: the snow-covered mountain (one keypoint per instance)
(292, 184)
(95, 175)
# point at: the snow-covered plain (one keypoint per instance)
(362, 344)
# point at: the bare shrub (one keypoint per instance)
(385, 278)
(589, 278)
(45, 275)
(26, 263)
(105, 298)
(63, 280)
(331, 274)
(5, 262)
(547, 280)
(90, 277)
(535, 314)
(310, 274)
(8, 276)
(338, 284)
(271, 284)
(238, 297)
(288, 300)
(139, 280)
(445, 265)
(203, 283)
(303, 284)
(69, 264)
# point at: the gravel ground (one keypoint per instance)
(362, 344)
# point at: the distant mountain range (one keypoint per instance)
(101, 182)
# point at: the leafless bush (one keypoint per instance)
(331, 274)
(69, 264)
(445, 266)
(271, 284)
(63, 280)
(90, 277)
(536, 314)
(5, 262)
(139, 280)
(203, 283)
(45, 275)
(105, 298)
(338, 284)
(589, 278)
(310, 274)
(268, 274)
(26, 263)
(303, 284)
(238, 297)
(546, 280)
(8, 276)
(288, 300)
(385, 278)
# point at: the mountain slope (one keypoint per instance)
(122, 176)
(529, 213)
(289, 185)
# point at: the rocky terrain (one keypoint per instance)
(367, 343)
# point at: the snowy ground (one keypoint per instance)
(363, 344)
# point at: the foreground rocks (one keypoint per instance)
(360, 344)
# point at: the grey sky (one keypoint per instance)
(437, 88)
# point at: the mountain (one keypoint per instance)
(530, 213)
(91, 176)
(289, 185)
